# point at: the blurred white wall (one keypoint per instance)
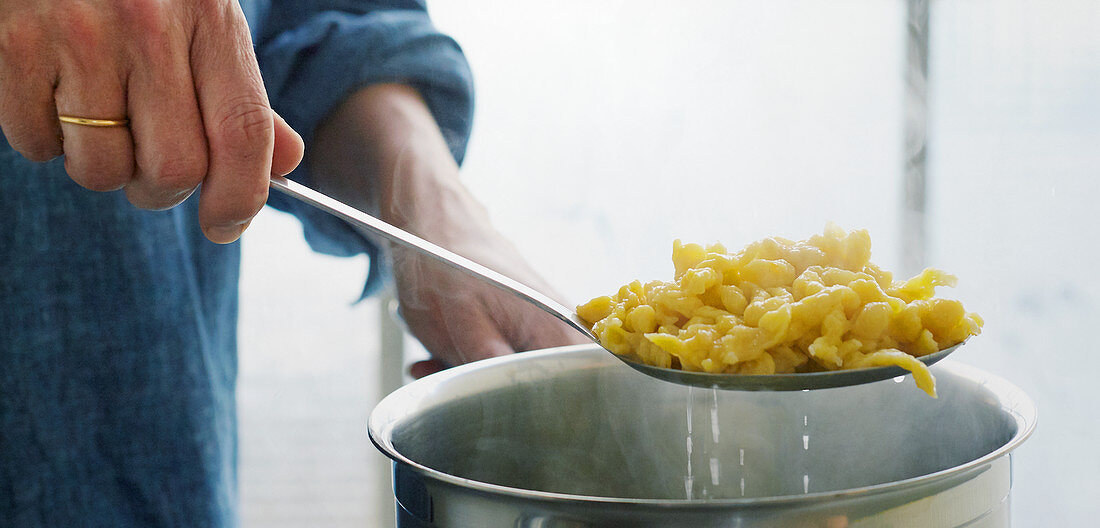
(618, 126)
(308, 365)
(1015, 166)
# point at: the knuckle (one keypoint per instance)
(246, 126)
(247, 205)
(98, 175)
(34, 146)
(25, 52)
(143, 197)
(237, 210)
(177, 173)
(81, 25)
(206, 7)
(213, 9)
(38, 152)
(81, 38)
(20, 35)
(96, 179)
(161, 36)
(147, 16)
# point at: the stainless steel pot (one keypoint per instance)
(572, 438)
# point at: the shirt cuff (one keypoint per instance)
(311, 69)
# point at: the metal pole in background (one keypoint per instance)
(389, 377)
(391, 368)
(915, 182)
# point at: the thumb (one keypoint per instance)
(289, 148)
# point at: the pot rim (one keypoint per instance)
(1013, 400)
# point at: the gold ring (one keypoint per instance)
(87, 121)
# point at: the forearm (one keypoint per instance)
(381, 151)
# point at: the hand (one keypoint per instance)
(460, 319)
(381, 151)
(182, 71)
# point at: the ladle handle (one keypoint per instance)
(409, 240)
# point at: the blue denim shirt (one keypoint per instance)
(118, 326)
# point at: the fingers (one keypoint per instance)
(456, 334)
(456, 330)
(448, 319)
(474, 334)
(547, 331)
(289, 148)
(526, 327)
(186, 77)
(98, 158)
(167, 129)
(239, 125)
(29, 119)
(459, 319)
(28, 116)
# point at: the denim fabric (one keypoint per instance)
(118, 326)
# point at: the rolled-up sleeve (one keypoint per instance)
(314, 54)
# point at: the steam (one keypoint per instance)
(582, 424)
(456, 317)
(624, 435)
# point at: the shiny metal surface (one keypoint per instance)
(568, 438)
(778, 382)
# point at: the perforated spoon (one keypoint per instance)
(774, 382)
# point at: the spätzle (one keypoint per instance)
(780, 306)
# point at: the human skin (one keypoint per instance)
(185, 74)
(382, 152)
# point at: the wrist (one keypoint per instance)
(378, 134)
(382, 151)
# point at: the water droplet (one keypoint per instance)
(690, 401)
(688, 480)
(714, 416)
(714, 424)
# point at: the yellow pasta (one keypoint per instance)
(780, 306)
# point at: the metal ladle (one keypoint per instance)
(772, 382)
